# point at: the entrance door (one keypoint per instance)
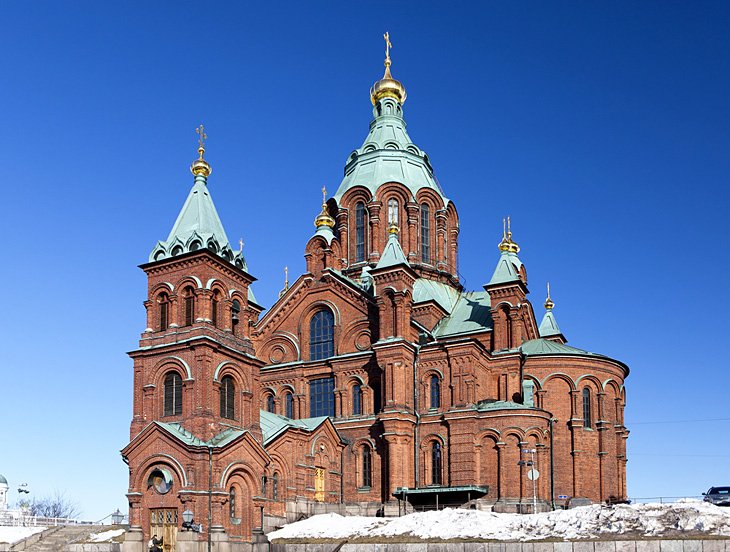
(163, 523)
(319, 484)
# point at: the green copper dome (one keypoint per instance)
(388, 155)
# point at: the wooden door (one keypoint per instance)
(163, 523)
(319, 484)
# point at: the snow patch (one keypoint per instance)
(106, 536)
(15, 534)
(650, 520)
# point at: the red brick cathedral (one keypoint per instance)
(375, 385)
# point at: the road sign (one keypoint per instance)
(562, 497)
(533, 474)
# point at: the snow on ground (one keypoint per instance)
(650, 520)
(106, 536)
(14, 534)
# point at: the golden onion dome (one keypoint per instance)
(388, 87)
(549, 302)
(324, 218)
(200, 166)
(507, 244)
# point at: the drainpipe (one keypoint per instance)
(416, 474)
(552, 420)
(210, 493)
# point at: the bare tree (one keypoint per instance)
(54, 506)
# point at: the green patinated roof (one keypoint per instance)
(549, 326)
(507, 269)
(471, 313)
(547, 347)
(500, 405)
(392, 254)
(218, 441)
(3, 481)
(430, 290)
(388, 155)
(197, 226)
(273, 425)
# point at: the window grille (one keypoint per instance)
(425, 234)
(435, 385)
(321, 335)
(228, 398)
(322, 397)
(173, 394)
(359, 232)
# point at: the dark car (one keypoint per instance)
(719, 496)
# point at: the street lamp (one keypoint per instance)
(188, 522)
(117, 517)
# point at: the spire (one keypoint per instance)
(198, 225)
(549, 326)
(509, 264)
(393, 253)
(324, 222)
(286, 282)
(388, 87)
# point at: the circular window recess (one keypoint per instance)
(161, 480)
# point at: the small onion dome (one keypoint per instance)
(324, 218)
(549, 302)
(200, 166)
(388, 87)
(507, 245)
(393, 228)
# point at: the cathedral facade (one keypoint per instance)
(376, 384)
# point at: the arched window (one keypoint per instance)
(163, 302)
(232, 503)
(425, 234)
(359, 232)
(173, 395)
(235, 315)
(322, 335)
(228, 398)
(367, 467)
(275, 486)
(189, 306)
(271, 404)
(356, 399)
(586, 407)
(215, 300)
(436, 463)
(289, 405)
(435, 391)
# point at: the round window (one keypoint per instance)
(161, 480)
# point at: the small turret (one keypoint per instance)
(549, 328)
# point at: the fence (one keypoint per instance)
(18, 518)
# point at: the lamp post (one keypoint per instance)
(189, 522)
(117, 517)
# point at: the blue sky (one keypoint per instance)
(602, 128)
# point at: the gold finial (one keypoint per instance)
(200, 166)
(393, 228)
(240, 243)
(549, 302)
(507, 244)
(387, 87)
(286, 282)
(324, 218)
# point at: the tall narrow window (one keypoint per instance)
(275, 486)
(228, 397)
(435, 388)
(425, 234)
(359, 232)
(271, 404)
(392, 211)
(367, 467)
(321, 335)
(164, 302)
(232, 503)
(214, 308)
(356, 399)
(173, 394)
(586, 407)
(436, 463)
(235, 315)
(189, 301)
(289, 405)
(322, 397)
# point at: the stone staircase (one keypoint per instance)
(56, 539)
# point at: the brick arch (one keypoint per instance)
(393, 189)
(241, 476)
(229, 368)
(146, 465)
(304, 325)
(596, 383)
(166, 287)
(509, 470)
(430, 196)
(288, 344)
(487, 457)
(561, 376)
(281, 466)
(426, 459)
(351, 333)
(193, 280)
(162, 366)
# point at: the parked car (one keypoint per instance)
(719, 496)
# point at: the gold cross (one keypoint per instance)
(240, 243)
(388, 45)
(324, 195)
(203, 136)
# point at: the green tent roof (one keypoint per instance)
(549, 326)
(507, 269)
(217, 441)
(273, 425)
(392, 254)
(471, 313)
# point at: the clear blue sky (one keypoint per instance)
(602, 128)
